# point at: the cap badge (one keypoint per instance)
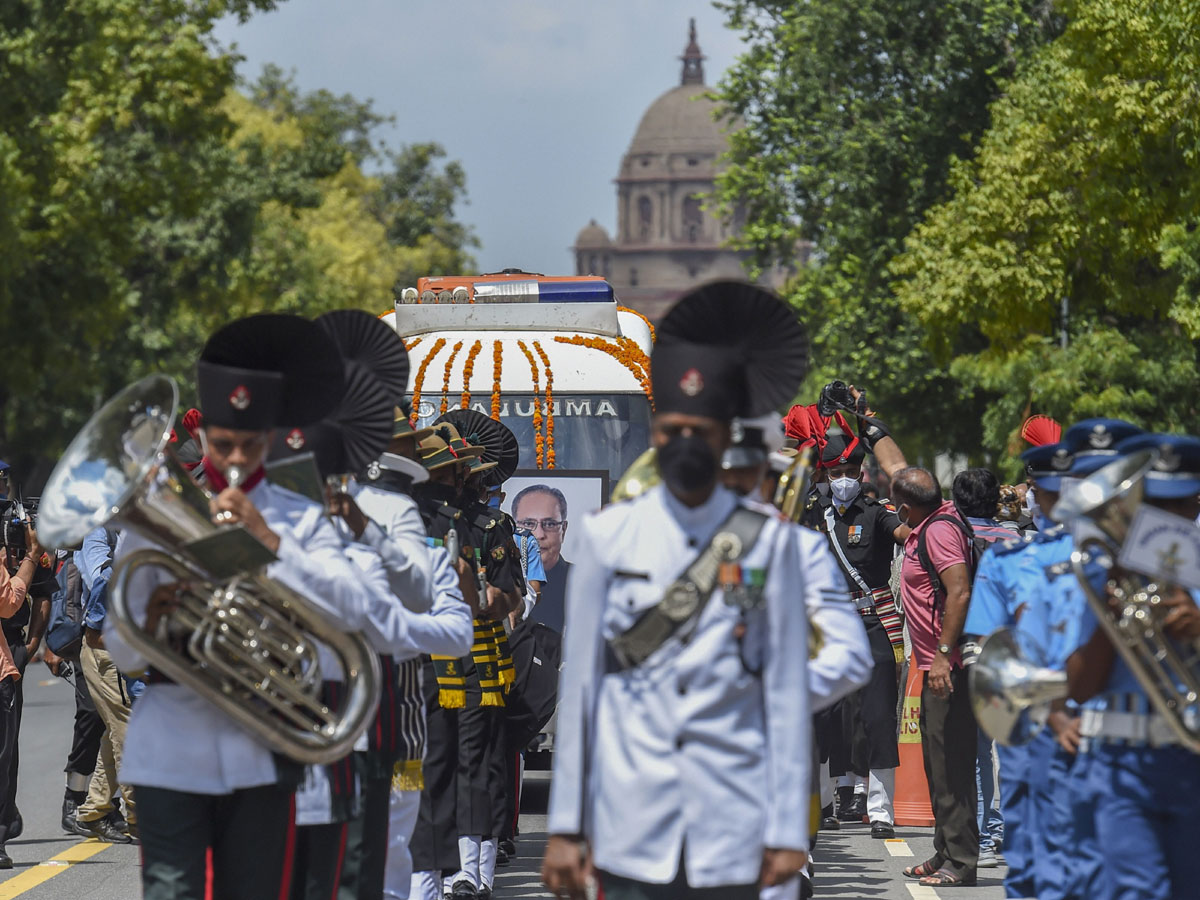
(737, 432)
(1168, 459)
(1101, 438)
(239, 398)
(295, 439)
(374, 470)
(1061, 460)
(692, 382)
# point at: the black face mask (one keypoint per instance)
(687, 463)
(434, 492)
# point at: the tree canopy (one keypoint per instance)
(853, 113)
(146, 198)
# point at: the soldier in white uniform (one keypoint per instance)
(684, 742)
(204, 783)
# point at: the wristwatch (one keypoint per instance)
(944, 649)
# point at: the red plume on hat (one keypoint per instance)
(1041, 430)
(809, 427)
(193, 421)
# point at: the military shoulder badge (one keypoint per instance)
(498, 554)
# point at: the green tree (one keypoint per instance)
(1085, 190)
(852, 115)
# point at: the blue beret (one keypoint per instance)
(1047, 464)
(1176, 474)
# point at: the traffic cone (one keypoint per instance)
(911, 803)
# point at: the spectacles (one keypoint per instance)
(548, 525)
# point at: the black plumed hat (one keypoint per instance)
(498, 442)
(268, 370)
(727, 349)
(842, 448)
(366, 341)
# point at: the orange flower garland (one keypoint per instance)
(497, 357)
(412, 345)
(624, 351)
(539, 439)
(549, 404)
(420, 379)
(468, 368)
(649, 324)
(446, 377)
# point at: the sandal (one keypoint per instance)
(946, 878)
(925, 869)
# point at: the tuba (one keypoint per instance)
(1109, 499)
(641, 475)
(1008, 692)
(245, 642)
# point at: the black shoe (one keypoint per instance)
(502, 858)
(5, 859)
(68, 815)
(15, 827)
(855, 811)
(463, 890)
(829, 822)
(509, 847)
(806, 888)
(484, 893)
(106, 830)
(72, 825)
(882, 830)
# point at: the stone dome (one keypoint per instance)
(592, 235)
(680, 121)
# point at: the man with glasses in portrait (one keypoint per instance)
(542, 511)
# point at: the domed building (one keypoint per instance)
(666, 241)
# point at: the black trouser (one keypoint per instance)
(949, 737)
(873, 744)
(8, 744)
(89, 729)
(435, 839)
(250, 831)
(367, 842)
(320, 860)
(20, 659)
(479, 740)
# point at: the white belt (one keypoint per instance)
(1130, 728)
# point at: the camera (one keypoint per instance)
(836, 396)
(13, 519)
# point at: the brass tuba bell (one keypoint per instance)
(245, 642)
(641, 475)
(1008, 691)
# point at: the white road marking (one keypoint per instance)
(922, 892)
(898, 847)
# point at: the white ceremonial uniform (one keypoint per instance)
(689, 753)
(178, 740)
(843, 663)
(397, 532)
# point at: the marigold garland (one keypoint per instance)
(497, 358)
(539, 439)
(420, 379)
(446, 377)
(624, 351)
(549, 404)
(649, 324)
(411, 345)
(468, 368)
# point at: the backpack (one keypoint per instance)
(978, 540)
(64, 628)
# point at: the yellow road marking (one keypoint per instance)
(922, 892)
(55, 865)
(898, 847)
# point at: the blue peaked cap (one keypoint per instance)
(1047, 464)
(1176, 474)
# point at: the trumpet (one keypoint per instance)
(243, 641)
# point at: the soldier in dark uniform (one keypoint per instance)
(860, 732)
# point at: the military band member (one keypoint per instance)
(682, 763)
(204, 784)
(863, 534)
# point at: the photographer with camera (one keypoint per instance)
(863, 534)
(14, 589)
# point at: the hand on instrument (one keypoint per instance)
(343, 505)
(163, 601)
(1066, 730)
(1182, 622)
(566, 867)
(779, 866)
(231, 507)
(938, 678)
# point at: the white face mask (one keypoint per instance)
(844, 490)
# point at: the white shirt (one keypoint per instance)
(178, 740)
(689, 752)
(398, 534)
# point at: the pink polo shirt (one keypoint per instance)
(947, 546)
(12, 595)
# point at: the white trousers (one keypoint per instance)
(881, 785)
(789, 890)
(426, 886)
(402, 819)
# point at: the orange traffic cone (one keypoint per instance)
(911, 802)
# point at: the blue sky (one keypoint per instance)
(538, 98)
